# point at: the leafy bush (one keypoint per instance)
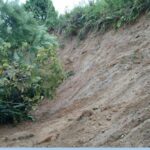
(101, 15)
(29, 68)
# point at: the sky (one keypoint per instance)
(64, 5)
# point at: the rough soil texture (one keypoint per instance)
(105, 103)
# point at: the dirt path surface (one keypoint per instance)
(105, 103)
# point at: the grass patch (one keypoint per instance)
(101, 16)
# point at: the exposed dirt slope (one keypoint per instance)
(105, 103)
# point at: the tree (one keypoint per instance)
(43, 11)
(29, 68)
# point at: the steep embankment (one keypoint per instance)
(105, 103)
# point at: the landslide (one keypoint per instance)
(106, 101)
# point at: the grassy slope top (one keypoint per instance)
(101, 15)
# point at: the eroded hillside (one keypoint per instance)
(107, 100)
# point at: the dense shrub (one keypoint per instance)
(101, 15)
(29, 68)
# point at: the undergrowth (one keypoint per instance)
(29, 67)
(101, 16)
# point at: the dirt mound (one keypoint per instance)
(106, 101)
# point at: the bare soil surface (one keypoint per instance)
(106, 102)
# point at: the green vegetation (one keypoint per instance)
(43, 11)
(29, 68)
(101, 16)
